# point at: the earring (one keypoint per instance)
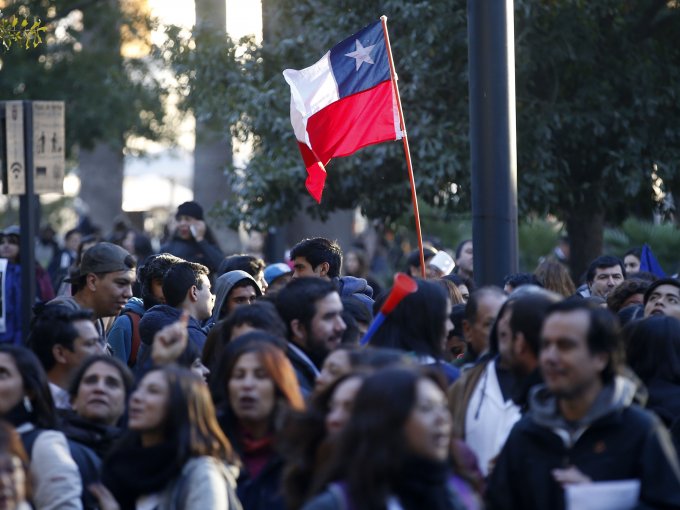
(27, 405)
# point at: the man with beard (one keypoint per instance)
(524, 333)
(312, 309)
(124, 337)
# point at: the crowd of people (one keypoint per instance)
(188, 379)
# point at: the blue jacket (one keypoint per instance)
(120, 334)
(155, 319)
(355, 287)
(12, 299)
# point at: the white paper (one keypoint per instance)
(615, 495)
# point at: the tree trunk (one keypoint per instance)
(213, 152)
(586, 230)
(101, 183)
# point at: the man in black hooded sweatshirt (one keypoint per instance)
(581, 427)
(193, 240)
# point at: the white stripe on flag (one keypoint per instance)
(311, 90)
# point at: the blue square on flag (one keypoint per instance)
(360, 62)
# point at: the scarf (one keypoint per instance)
(131, 470)
(99, 438)
(424, 483)
(256, 453)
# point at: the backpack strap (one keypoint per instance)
(136, 337)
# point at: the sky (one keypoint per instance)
(243, 16)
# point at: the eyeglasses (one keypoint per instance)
(9, 240)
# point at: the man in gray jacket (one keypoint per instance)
(233, 289)
(582, 427)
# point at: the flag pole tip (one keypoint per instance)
(383, 18)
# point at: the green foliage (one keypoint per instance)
(253, 99)
(109, 96)
(537, 238)
(633, 233)
(14, 32)
(449, 231)
(597, 106)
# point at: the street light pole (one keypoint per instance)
(493, 139)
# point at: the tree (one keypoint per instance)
(596, 102)
(113, 95)
(254, 102)
(213, 151)
(597, 111)
(14, 31)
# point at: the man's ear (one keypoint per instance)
(58, 353)
(192, 294)
(298, 329)
(91, 281)
(323, 268)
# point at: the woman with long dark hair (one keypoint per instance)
(393, 452)
(174, 456)
(260, 387)
(311, 435)
(419, 325)
(26, 403)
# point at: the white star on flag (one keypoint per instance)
(361, 54)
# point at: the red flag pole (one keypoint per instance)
(407, 152)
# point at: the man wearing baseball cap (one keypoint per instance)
(277, 276)
(193, 240)
(102, 283)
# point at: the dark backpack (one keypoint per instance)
(136, 338)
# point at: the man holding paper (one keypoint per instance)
(582, 428)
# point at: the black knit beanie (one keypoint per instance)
(192, 209)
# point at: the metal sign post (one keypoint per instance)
(27, 217)
(32, 155)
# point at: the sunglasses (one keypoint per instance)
(9, 239)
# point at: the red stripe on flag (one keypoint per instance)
(353, 122)
(316, 173)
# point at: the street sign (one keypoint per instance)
(48, 146)
(14, 147)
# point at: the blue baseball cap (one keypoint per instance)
(273, 271)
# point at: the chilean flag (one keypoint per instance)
(342, 103)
